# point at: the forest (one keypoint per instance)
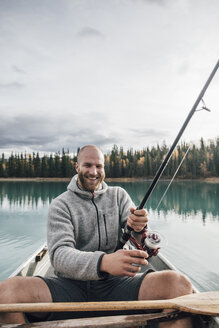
(202, 161)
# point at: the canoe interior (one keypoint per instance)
(39, 264)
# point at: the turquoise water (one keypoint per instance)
(188, 217)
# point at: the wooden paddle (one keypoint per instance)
(199, 303)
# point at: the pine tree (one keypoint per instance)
(37, 165)
(11, 166)
(51, 166)
(58, 172)
(3, 172)
(20, 166)
(44, 166)
(65, 164)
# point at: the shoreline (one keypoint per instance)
(210, 180)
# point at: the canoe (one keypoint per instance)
(39, 264)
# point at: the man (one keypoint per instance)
(84, 224)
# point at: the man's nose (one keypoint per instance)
(93, 170)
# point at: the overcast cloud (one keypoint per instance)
(107, 72)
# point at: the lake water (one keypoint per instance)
(188, 217)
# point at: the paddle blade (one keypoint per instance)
(200, 303)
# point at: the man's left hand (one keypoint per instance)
(138, 219)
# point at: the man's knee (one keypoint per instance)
(24, 289)
(178, 283)
(9, 290)
(164, 284)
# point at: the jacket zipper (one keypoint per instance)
(104, 218)
(98, 221)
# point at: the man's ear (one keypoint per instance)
(76, 167)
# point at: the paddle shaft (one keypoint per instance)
(84, 306)
(199, 303)
(127, 230)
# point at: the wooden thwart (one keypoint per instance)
(120, 321)
(198, 303)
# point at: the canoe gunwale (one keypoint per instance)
(25, 264)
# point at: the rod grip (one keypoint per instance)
(125, 236)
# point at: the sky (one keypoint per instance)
(105, 72)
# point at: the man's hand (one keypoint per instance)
(138, 219)
(124, 262)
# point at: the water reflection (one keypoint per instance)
(30, 193)
(185, 198)
(23, 214)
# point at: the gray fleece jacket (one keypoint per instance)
(82, 227)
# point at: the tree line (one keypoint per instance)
(201, 161)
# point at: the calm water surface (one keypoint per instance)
(188, 217)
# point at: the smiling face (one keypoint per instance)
(90, 168)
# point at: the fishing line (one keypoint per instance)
(197, 110)
(173, 177)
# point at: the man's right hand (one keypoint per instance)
(121, 262)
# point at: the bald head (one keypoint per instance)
(89, 149)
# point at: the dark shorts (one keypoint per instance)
(109, 289)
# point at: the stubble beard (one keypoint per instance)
(86, 185)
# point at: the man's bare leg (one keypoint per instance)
(22, 290)
(165, 285)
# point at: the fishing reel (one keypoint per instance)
(151, 242)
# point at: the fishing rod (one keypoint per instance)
(127, 230)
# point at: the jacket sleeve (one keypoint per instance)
(68, 261)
